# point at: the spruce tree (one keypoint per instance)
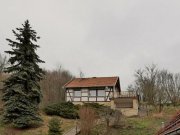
(54, 127)
(21, 93)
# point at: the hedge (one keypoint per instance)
(64, 109)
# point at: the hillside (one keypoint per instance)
(148, 125)
(133, 126)
(42, 130)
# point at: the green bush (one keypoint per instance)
(64, 109)
(1, 111)
(94, 105)
(54, 127)
(99, 108)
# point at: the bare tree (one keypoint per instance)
(173, 88)
(3, 63)
(157, 87)
(52, 85)
(161, 88)
(176, 96)
(87, 120)
(146, 83)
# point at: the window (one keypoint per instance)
(84, 92)
(77, 93)
(101, 93)
(92, 93)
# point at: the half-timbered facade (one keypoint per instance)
(95, 89)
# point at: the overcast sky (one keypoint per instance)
(99, 37)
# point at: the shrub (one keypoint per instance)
(94, 105)
(119, 120)
(87, 120)
(1, 110)
(54, 127)
(64, 109)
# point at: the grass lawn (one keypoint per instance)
(146, 126)
(139, 126)
(42, 130)
(133, 126)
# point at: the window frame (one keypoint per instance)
(75, 90)
(90, 93)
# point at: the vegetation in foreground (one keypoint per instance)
(54, 127)
(139, 126)
(148, 125)
(65, 109)
(66, 124)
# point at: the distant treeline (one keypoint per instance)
(52, 85)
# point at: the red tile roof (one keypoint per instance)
(92, 82)
(172, 127)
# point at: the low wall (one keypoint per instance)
(127, 111)
(104, 103)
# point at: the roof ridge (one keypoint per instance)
(92, 82)
(96, 77)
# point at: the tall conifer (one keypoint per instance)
(22, 93)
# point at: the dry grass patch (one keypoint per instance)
(42, 130)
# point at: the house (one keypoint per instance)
(102, 90)
(95, 89)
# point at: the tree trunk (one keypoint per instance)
(160, 108)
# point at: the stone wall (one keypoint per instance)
(127, 111)
(104, 103)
